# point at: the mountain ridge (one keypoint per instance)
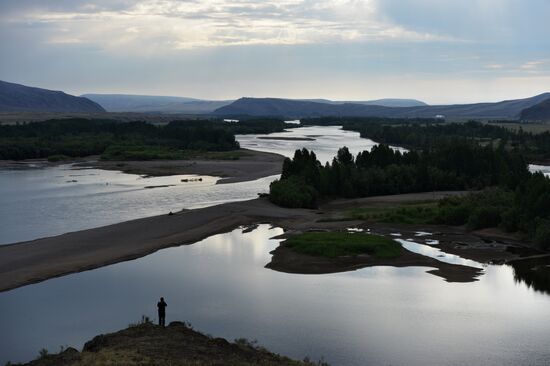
(277, 107)
(155, 103)
(538, 112)
(172, 104)
(21, 98)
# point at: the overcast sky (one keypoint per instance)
(438, 51)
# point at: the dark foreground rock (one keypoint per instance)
(175, 345)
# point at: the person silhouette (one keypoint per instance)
(161, 305)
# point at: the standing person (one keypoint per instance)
(161, 305)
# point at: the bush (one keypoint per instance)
(453, 211)
(292, 193)
(483, 217)
(542, 234)
(57, 157)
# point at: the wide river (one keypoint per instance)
(373, 316)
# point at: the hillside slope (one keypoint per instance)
(21, 98)
(155, 104)
(175, 345)
(510, 109)
(538, 112)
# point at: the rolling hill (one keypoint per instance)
(510, 109)
(155, 104)
(21, 98)
(166, 104)
(538, 112)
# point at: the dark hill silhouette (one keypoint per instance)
(510, 109)
(538, 112)
(386, 102)
(21, 98)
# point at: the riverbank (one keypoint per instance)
(250, 165)
(41, 259)
(176, 344)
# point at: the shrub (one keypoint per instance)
(483, 217)
(542, 234)
(292, 193)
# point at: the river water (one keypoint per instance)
(374, 316)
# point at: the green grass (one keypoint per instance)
(418, 213)
(336, 244)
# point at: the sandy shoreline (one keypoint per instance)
(37, 260)
(251, 165)
(33, 261)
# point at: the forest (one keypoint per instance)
(113, 140)
(521, 203)
(426, 136)
(425, 133)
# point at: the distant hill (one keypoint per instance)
(21, 98)
(388, 102)
(155, 104)
(538, 112)
(510, 109)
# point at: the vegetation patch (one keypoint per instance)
(337, 244)
(57, 158)
(413, 213)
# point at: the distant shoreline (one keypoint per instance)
(250, 166)
(41, 259)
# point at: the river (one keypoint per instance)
(373, 316)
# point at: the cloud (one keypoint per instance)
(533, 65)
(149, 26)
(439, 50)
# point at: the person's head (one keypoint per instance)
(162, 299)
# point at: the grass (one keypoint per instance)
(337, 244)
(412, 213)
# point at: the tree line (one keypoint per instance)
(79, 137)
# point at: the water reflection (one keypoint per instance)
(437, 253)
(373, 316)
(533, 272)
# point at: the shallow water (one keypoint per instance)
(373, 316)
(37, 202)
(50, 201)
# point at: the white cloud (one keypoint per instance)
(150, 26)
(532, 65)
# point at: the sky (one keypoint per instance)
(437, 51)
